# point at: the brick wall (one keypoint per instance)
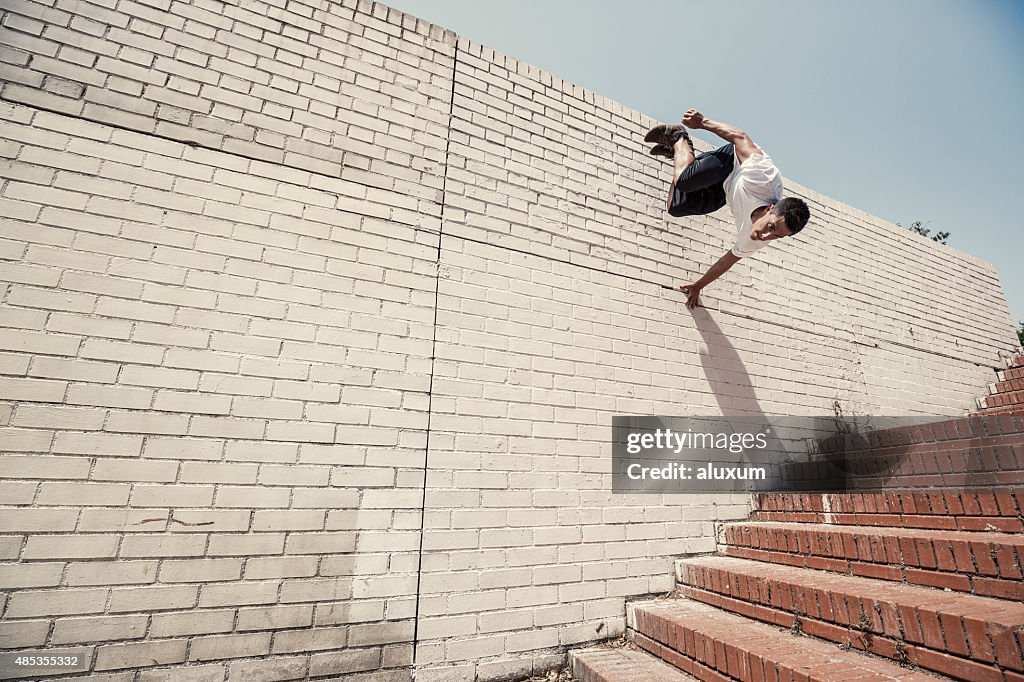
(312, 321)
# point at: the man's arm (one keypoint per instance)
(692, 291)
(739, 139)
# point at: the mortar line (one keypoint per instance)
(433, 364)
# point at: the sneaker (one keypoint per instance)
(662, 150)
(668, 135)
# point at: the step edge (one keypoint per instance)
(921, 590)
(896, 668)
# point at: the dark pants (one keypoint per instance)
(699, 190)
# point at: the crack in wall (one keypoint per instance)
(433, 362)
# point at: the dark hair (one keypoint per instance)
(795, 212)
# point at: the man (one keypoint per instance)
(739, 174)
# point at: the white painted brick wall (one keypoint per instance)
(179, 325)
(250, 254)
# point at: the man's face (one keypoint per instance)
(768, 227)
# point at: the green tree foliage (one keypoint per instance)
(918, 227)
(1020, 333)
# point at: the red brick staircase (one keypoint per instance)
(918, 583)
(1007, 394)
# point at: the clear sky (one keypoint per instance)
(907, 109)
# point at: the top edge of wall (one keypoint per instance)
(404, 20)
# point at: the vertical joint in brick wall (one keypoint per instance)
(433, 360)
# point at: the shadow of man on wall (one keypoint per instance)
(736, 395)
(724, 370)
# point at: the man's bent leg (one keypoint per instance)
(697, 202)
(682, 158)
(697, 189)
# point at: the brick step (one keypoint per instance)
(982, 450)
(715, 646)
(986, 564)
(1004, 399)
(990, 509)
(950, 432)
(622, 665)
(1010, 410)
(1016, 384)
(964, 468)
(960, 635)
(1012, 373)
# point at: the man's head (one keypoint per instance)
(780, 220)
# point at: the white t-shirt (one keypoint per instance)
(754, 183)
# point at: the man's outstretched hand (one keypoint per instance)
(692, 292)
(693, 119)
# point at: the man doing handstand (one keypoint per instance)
(739, 174)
